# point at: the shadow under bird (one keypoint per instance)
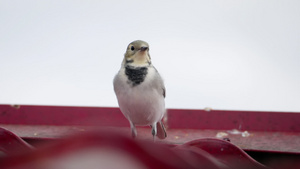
(140, 90)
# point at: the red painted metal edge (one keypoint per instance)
(62, 115)
(176, 118)
(241, 120)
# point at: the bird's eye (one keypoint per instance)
(132, 48)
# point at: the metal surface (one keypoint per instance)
(227, 120)
(255, 131)
(192, 134)
(11, 144)
(176, 118)
(226, 152)
(61, 115)
(287, 142)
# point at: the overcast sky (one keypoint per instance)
(232, 55)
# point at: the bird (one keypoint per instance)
(140, 90)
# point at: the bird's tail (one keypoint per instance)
(161, 130)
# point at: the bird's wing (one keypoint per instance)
(160, 83)
(164, 91)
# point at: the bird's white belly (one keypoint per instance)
(142, 106)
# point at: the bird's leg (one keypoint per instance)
(154, 131)
(133, 130)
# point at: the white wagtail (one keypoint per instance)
(140, 90)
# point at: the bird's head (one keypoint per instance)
(137, 54)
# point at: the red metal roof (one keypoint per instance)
(275, 132)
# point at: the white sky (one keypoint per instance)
(233, 55)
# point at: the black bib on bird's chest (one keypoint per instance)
(136, 75)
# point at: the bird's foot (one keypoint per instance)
(154, 131)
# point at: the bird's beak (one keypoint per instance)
(144, 48)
